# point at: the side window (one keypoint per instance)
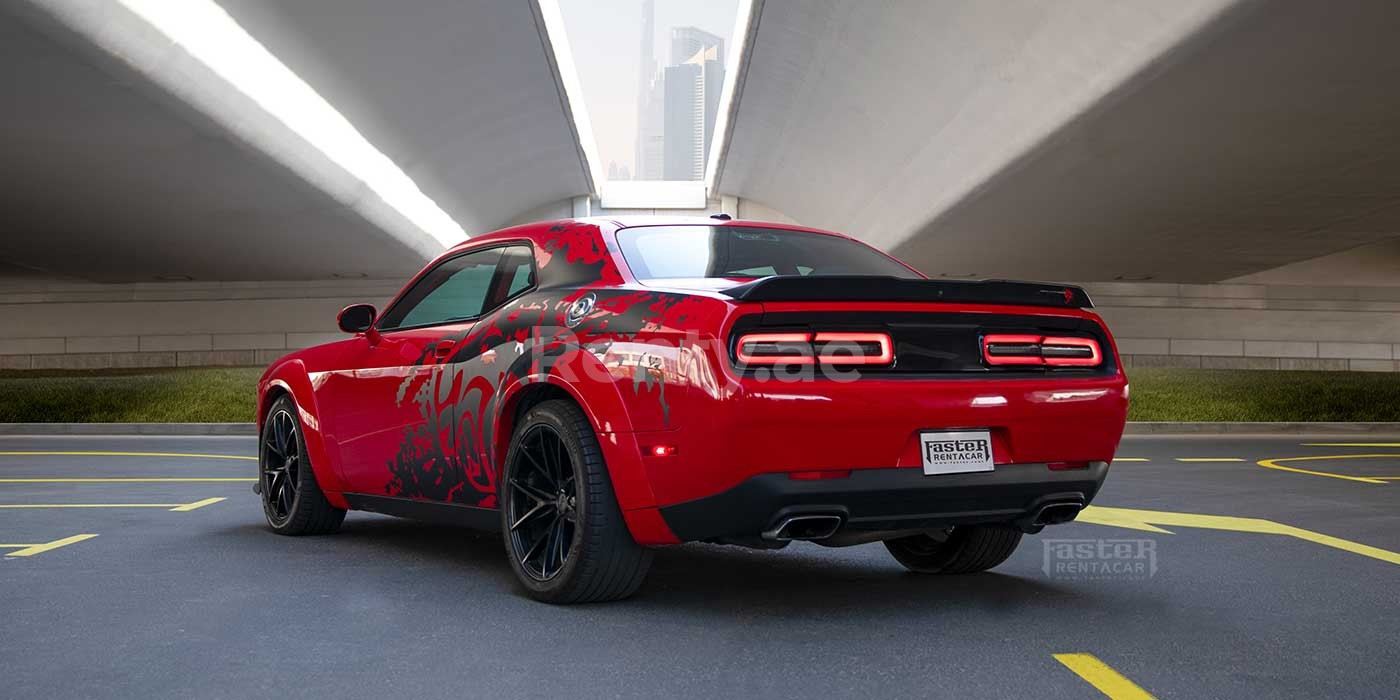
(517, 270)
(455, 290)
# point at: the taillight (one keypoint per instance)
(1055, 351)
(828, 348)
(775, 348)
(1071, 352)
(854, 348)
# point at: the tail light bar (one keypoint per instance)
(1039, 350)
(811, 348)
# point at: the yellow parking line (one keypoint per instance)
(177, 507)
(197, 504)
(32, 549)
(1149, 520)
(1350, 444)
(1274, 464)
(124, 480)
(126, 454)
(1209, 459)
(1102, 676)
(1131, 459)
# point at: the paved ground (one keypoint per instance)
(205, 602)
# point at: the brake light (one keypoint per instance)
(828, 348)
(1055, 351)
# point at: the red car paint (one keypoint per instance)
(427, 413)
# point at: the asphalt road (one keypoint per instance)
(205, 602)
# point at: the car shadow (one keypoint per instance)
(720, 579)
(795, 581)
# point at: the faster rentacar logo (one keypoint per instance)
(958, 451)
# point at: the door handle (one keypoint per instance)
(442, 350)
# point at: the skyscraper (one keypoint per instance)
(677, 106)
(649, 102)
(686, 41)
(692, 88)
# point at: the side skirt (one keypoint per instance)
(433, 511)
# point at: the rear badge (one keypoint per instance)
(579, 309)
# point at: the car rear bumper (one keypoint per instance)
(893, 499)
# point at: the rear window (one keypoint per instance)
(669, 252)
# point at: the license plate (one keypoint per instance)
(948, 452)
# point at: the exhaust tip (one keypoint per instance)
(1057, 513)
(804, 527)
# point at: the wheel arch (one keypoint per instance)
(607, 415)
(290, 378)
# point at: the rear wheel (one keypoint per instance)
(291, 498)
(564, 532)
(959, 550)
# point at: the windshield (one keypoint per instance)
(669, 252)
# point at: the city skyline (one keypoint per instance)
(610, 68)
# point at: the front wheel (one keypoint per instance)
(958, 550)
(291, 498)
(564, 532)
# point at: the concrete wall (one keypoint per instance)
(178, 324)
(1240, 326)
(65, 325)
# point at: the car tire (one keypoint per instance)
(591, 556)
(967, 549)
(292, 500)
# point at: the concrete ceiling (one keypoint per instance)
(110, 177)
(106, 179)
(463, 95)
(1191, 141)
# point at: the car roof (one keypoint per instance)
(535, 229)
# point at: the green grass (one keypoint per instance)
(1262, 395)
(227, 395)
(222, 395)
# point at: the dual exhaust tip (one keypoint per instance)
(819, 526)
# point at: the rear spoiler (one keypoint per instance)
(879, 288)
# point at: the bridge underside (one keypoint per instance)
(1185, 142)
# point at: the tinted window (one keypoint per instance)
(517, 270)
(660, 252)
(455, 290)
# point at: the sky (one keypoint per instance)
(605, 36)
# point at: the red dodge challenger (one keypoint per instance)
(594, 388)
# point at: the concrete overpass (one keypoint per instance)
(1221, 171)
(135, 158)
(1192, 141)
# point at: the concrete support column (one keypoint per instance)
(729, 204)
(582, 206)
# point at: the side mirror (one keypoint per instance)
(357, 318)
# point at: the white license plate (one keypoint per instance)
(949, 452)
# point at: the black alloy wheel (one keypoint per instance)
(281, 470)
(565, 535)
(291, 498)
(542, 506)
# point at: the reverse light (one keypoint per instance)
(854, 348)
(828, 348)
(775, 348)
(1055, 351)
